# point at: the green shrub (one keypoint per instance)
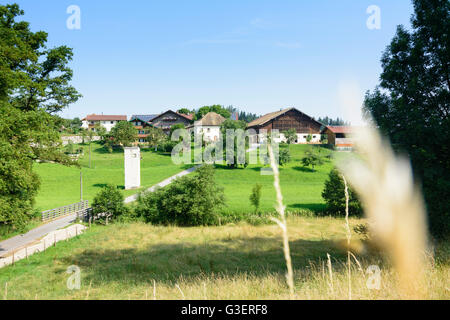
(167, 146)
(189, 201)
(334, 196)
(109, 200)
(284, 157)
(255, 197)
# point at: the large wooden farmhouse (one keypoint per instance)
(305, 126)
(166, 120)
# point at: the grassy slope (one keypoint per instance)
(122, 261)
(61, 185)
(301, 187)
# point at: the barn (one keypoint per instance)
(305, 126)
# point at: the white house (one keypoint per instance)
(209, 126)
(106, 121)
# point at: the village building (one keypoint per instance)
(209, 126)
(106, 121)
(340, 136)
(141, 122)
(307, 129)
(165, 121)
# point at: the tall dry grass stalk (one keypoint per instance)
(394, 207)
(349, 238)
(281, 209)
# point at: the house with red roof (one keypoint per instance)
(106, 121)
(340, 136)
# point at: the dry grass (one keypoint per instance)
(394, 206)
(138, 261)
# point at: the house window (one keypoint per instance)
(112, 122)
(209, 129)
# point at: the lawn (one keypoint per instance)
(302, 188)
(60, 185)
(139, 261)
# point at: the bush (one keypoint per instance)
(284, 157)
(167, 146)
(334, 196)
(255, 196)
(312, 158)
(109, 200)
(189, 201)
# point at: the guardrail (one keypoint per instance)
(79, 208)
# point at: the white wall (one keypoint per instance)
(210, 133)
(108, 125)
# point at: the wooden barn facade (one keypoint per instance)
(284, 120)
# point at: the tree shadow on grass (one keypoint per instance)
(304, 169)
(102, 185)
(167, 262)
(316, 207)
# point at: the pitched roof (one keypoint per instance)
(270, 116)
(210, 119)
(187, 117)
(97, 117)
(144, 118)
(341, 129)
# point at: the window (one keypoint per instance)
(209, 130)
(112, 122)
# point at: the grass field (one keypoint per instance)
(302, 187)
(138, 261)
(60, 185)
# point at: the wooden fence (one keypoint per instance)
(80, 208)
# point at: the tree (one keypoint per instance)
(290, 135)
(312, 158)
(184, 111)
(176, 127)
(309, 138)
(34, 86)
(255, 197)
(238, 154)
(411, 105)
(124, 134)
(215, 108)
(109, 201)
(155, 137)
(334, 196)
(189, 201)
(284, 157)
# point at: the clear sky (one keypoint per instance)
(144, 57)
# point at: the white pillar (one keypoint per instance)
(132, 168)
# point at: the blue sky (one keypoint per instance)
(144, 57)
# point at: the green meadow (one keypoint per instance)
(301, 186)
(60, 185)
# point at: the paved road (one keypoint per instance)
(163, 184)
(16, 242)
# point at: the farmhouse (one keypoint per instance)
(208, 126)
(340, 136)
(141, 122)
(106, 121)
(305, 126)
(166, 120)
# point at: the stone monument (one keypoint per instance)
(132, 168)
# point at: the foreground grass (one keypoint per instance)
(138, 261)
(60, 185)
